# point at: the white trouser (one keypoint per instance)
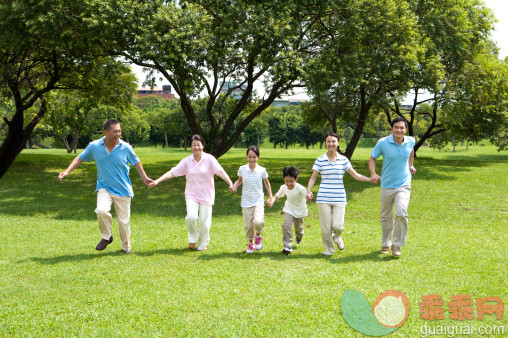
(331, 217)
(254, 220)
(123, 214)
(202, 213)
(400, 199)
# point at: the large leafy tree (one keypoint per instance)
(44, 45)
(368, 49)
(454, 34)
(216, 46)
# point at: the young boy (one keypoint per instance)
(295, 208)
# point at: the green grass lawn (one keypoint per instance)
(53, 282)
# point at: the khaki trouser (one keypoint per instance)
(123, 214)
(287, 231)
(400, 199)
(331, 217)
(202, 213)
(254, 220)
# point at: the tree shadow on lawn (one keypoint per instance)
(31, 187)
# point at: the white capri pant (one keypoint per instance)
(202, 213)
(254, 220)
(331, 217)
(123, 214)
(399, 227)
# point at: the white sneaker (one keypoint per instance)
(327, 253)
(250, 248)
(287, 250)
(258, 243)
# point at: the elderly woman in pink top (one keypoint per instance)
(199, 169)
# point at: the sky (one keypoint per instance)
(499, 35)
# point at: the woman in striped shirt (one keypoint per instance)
(331, 197)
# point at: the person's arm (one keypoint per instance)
(237, 183)
(312, 180)
(224, 175)
(411, 158)
(374, 178)
(359, 177)
(167, 176)
(74, 164)
(146, 180)
(268, 187)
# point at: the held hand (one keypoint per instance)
(61, 176)
(232, 188)
(269, 202)
(147, 181)
(152, 184)
(412, 169)
(375, 179)
(309, 196)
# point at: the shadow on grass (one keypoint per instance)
(31, 187)
(73, 258)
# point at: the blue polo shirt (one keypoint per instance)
(112, 168)
(395, 172)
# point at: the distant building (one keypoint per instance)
(287, 102)
(165, 92)
(237, 92)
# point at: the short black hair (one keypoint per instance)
(400, 119)
(290, 171)
(107, 125)
(199, 138)
(254, 149)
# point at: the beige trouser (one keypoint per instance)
(202, 213)
(400, 199)
(331, 217)
(254, 220)
(287, 231)
(123, 214)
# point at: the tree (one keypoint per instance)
(44, 45)
(452, 33)
(69, 111)
(217, 47)
(370, 47)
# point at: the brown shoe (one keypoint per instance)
(192, 245)
(385, 249)
(396, 251)
(104, 243)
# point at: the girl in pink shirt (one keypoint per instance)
(198, 169)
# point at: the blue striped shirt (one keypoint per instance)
(331, 190)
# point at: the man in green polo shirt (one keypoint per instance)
(398, 154)
(113, 158)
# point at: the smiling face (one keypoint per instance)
(399, 130)
(332, 143)
(252, 158)
(290, 182)
(197, 147)
(113, 133)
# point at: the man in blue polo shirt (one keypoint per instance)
(398, 154)
(113, 158)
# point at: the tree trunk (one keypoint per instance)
(17, 137)
(362, 119)
(166, 144)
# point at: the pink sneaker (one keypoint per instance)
(250, 248)
(258, 243)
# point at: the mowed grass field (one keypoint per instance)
(54, 283)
